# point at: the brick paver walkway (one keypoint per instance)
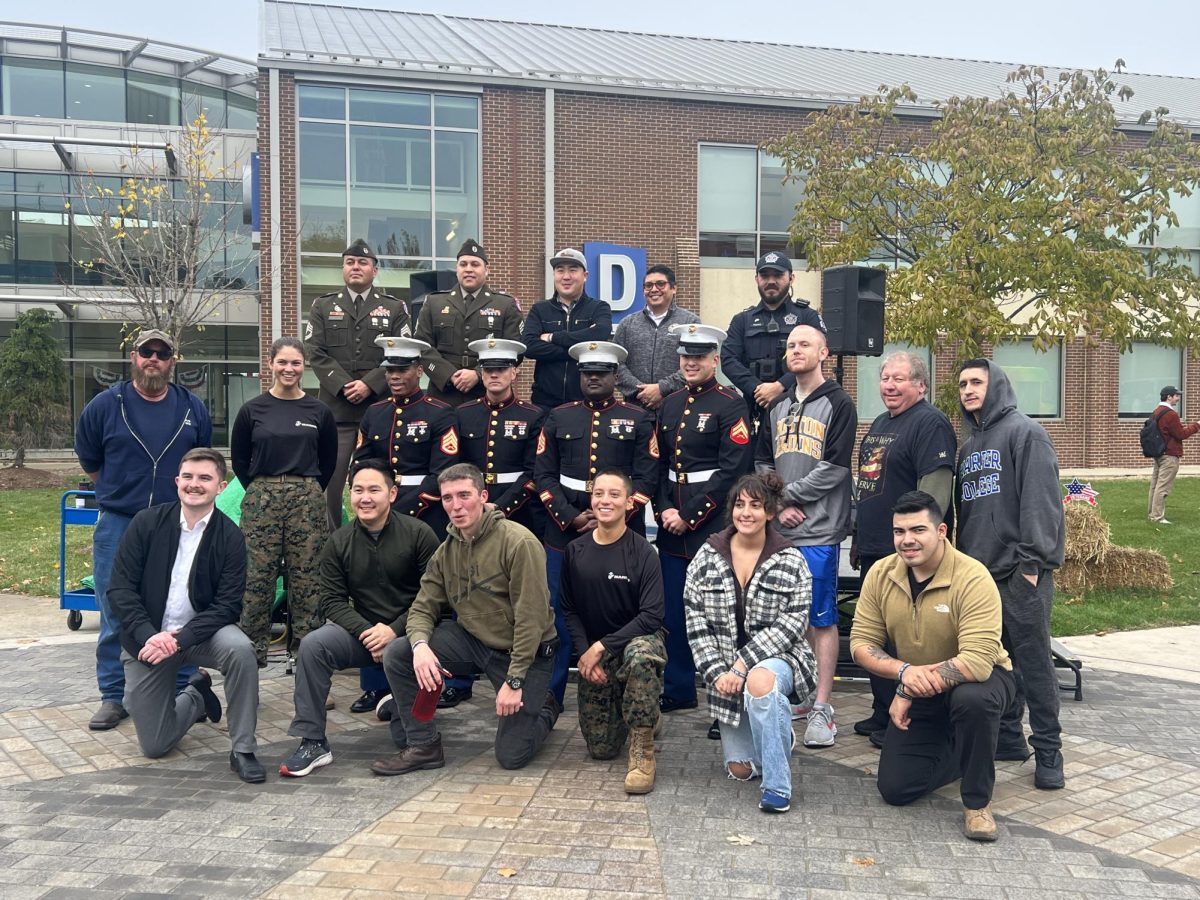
(82, 814)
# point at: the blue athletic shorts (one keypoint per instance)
(823, 564)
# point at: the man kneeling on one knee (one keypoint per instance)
(177, 586)
(490, 572)
(612, 599)
(941, 611)
(369, 574)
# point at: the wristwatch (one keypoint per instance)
(515, 683)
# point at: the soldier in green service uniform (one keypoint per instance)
(450, 320)
(340, 343)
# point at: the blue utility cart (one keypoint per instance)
(83, 600)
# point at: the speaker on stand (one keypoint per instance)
(852, 301)
(431, 282)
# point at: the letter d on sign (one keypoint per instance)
(615, 276)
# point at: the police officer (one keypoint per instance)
(498, 433)
(752, 354)
(412, 431)
(555, 325)
(704, 439)
(339, 341)
(450, 320)
(577, 440)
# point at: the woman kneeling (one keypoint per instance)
(747, 597)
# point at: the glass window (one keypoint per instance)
(317, 102)
(96, 93)
(201, 99)
(456, 199)
(393, 107)
(96, 340)
(8, 235)
(33, 87)
(728, 188)
(1187, 232)
(43, 242)
(241, 112)
(1036, 377)
(1145, 370)
(322, 155)
(152, 99)
(390, 195)
(867, 400)
(777, 198)
(456, 112)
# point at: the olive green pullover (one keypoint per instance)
(495, 583)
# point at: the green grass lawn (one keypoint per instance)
(29, 556)
(1123, 505)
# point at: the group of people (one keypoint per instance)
(493, 537)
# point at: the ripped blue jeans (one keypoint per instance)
(763, 736)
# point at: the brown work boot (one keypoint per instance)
(979, 825)
(411, 759)
(640, 779)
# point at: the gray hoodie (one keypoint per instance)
(1010, 511)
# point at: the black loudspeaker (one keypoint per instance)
(422, 283)
(852, 300)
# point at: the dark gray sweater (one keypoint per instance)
(653, 351)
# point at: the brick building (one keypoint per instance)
(416, 131)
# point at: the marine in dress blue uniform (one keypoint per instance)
(415, 433)
(577, 440)
(704, 442)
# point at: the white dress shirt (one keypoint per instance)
(179, 609)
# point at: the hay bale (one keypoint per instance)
(1133, 567)
(1088, 535)
(1072, 578)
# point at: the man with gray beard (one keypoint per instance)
(130, 441)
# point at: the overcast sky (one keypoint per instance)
(1155, 36)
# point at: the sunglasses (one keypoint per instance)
(164, 355)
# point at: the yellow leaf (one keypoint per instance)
(742, 840)
(863, 861)
(506, 873)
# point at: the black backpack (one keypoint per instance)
(1154, 444)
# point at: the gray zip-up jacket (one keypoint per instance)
(653, 351)
(810, 443)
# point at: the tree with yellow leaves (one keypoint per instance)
(162, 236)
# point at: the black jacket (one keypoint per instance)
(556, 375)
(141, 577)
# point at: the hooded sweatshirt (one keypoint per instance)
(809, 443)
(495, 583)
(1010, 511)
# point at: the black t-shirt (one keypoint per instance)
(284, 437)
(612, 592)
(915, 587)
(894, 455)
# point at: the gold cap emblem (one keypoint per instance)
(691, 329)
(391, 343)
(592, 346)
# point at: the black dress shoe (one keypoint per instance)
(867, 727)
(247, 767)
(368, 701)
(202, 682)
(107, 716)
(671, 704)
(876, 738)
(452, 696)
(714, 730)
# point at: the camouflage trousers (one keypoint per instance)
(628, 700)
(286, 525)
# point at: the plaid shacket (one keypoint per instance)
(777, 601)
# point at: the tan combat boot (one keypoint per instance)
(640, 779)
(978, 824)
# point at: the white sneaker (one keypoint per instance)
(821, 728)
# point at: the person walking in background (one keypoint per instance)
(130, 440)
(284, 447)
(1166, 467)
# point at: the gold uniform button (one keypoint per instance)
(593, 457)
(394, 460)
(491, 443)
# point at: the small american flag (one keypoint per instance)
(1076, 490)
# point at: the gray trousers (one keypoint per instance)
(1026, 637)
(518, 737)
(161, 717)
(322, 652)
(347, 439)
